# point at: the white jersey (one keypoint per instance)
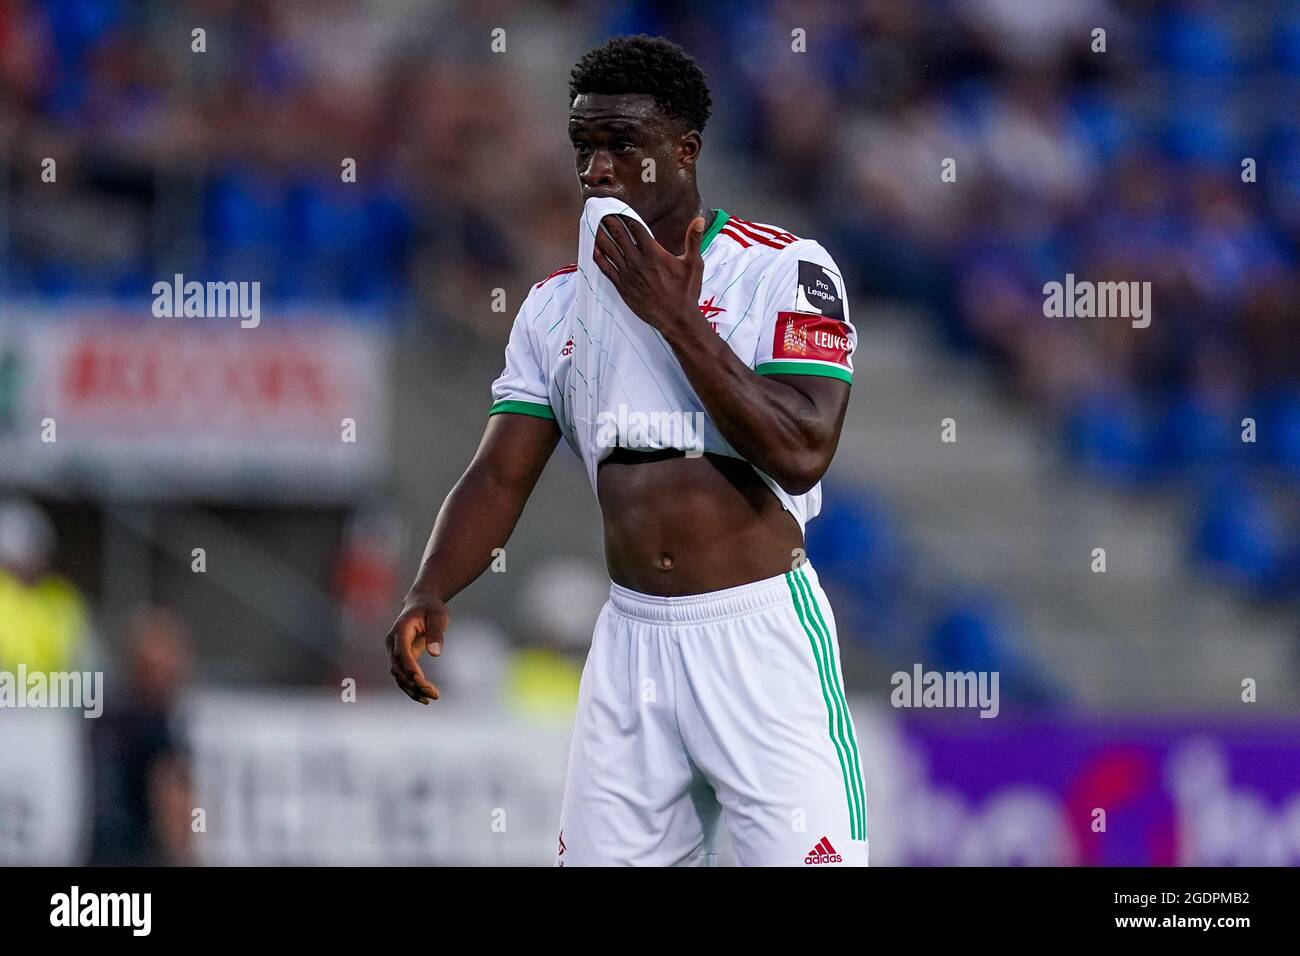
(579, 356)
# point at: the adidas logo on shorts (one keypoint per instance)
(823, 852)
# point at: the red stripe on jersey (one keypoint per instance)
(771, 230)
(571, 267)
(724, 231)
(757, 236)
(824, 847)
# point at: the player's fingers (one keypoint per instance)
(607, 267)
(408, 663)
(405, 632)
(619, 245)
(403, 684)
(412, 681)
(639, 233)
(608, 249)
(402, 643)
(402, 681)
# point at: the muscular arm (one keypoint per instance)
(482, 509)
(477, 516)
(786, 425)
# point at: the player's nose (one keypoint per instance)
(599, 173)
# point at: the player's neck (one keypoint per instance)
(670, 232)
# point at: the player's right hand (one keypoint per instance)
(419, 627)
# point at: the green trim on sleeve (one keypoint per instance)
(719, 220)
(513, 406)
(824, 369)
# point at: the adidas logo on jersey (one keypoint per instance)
(823, 852)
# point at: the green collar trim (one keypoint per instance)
(720, 218)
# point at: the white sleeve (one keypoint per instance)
(522, 386)
(805, 317)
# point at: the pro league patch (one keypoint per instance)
(817, 292)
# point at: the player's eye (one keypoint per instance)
(624, 147)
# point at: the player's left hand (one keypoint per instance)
(657, 286)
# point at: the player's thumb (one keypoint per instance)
(436, 621)
(694, 235)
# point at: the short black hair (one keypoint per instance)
(647, 65)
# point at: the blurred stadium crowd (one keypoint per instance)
(1125, 164)
(1122, 164)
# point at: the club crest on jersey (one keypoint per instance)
(817, 337)
(795, 339)
(817, 291)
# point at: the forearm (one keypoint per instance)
(476, 518)
(776, 427)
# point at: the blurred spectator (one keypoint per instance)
(366, 585)
(141, 780)
(44, 623)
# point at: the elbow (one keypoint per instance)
(802, 473)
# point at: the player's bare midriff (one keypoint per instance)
(676, 525)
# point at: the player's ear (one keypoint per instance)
(688, 148)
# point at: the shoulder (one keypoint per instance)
(562, 271)
(550, 295)
(763, 246)
(793, 273)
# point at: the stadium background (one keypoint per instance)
(226, 667)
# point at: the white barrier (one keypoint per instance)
(304, 778)
(44, 810)
(290, 779)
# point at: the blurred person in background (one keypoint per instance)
(365, 582)
(140, 771)
(44, 621)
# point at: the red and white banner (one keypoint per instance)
(193, 407)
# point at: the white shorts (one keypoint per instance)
(731, 700)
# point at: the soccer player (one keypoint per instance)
(699, 364)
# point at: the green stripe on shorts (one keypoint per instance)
(837, 688)
(833, 714)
